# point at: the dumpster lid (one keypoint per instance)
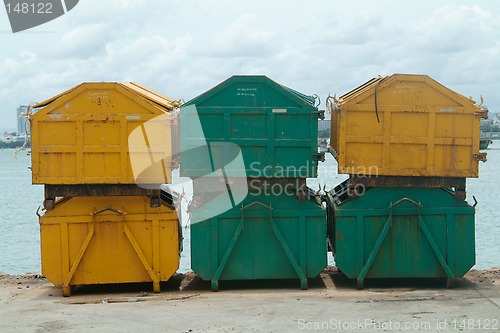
(135, 87)
(52, 99)
(307, 98)
(387, 80)
(362, 88)
(291, 94)
(151, 95)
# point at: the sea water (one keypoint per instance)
(19, 201)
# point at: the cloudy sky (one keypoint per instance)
(183, 48)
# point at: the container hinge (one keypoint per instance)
(480, 157)
(321, 114)
(483, 114)
(320, 156)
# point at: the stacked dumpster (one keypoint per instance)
(249, 144)
(408, 144)
(97, 150)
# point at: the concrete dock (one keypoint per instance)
(29, 303)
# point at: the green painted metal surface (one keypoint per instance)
(265, 237)
(275, 127)
(401, 233)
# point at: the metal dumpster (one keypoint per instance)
(406, 125)
(81, 136)
(400, 233)
(275, 127)
(265, 237)
(112, 239)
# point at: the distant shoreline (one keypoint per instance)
(13, 145)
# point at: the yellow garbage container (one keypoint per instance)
(112, 239)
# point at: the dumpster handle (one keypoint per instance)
(108, 209)
(375, 96)
(418, 204)
(376, 103)
(475, 201)
(255, 203)
(317, 100)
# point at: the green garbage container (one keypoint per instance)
(264, 237)
(391, 232)
(275, 127)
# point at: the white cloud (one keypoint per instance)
(83, 42)
(243, 38)
(455, 28)
(182, 48)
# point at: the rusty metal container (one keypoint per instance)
(103, 133)
(275, 127)
(264, 237)
(406, 125)
(109, 239)
(391, 232)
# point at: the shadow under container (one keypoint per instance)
(264, 237)
(400, 233)
(112, 239)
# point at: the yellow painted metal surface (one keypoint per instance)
(103, 133)
(99, 240)
(406, 125)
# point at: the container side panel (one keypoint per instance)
(407, 124)
(295, 161)
(315, 244)
(293, 127)
(61, 166)
(362, 123)
(56, 133)
(203, 241)
(249, 261)
(98, 133)
(464, 245)
(99, 165)
(452, 160)
(346, 255)
(359, 160)
(409, 157)
(454, 125)
(257, 160)
(248, 126)
(103, 262)
(51, 252)
(212, 124)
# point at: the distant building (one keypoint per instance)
(488, 121)
(324, 128)
(7, 137)
(496, 119)
(23, 126)
(324, 124)
(11, 137)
